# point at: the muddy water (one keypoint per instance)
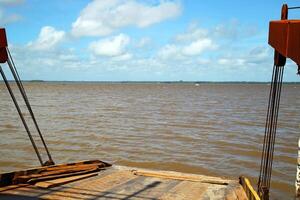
(212, 129)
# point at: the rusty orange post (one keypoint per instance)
(3, 45)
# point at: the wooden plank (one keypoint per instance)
(181, 176)
(34, 180)
(230, 194)
(61, 181)
(141, 188)
(91, 189)
(11, 187)
(215, 192)
(12, 177)
(125, 183)
(241, 194)
(235, 192)
(185, 190)
(161, 189)
(77, 166)
(25, 191)
(55, 174)
(8, 178)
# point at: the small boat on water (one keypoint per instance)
(95, 179)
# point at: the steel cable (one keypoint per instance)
(21, 115)
(16, 76)
(270, 132)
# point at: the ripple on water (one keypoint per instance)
(211, 129)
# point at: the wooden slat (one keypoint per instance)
(230, 193)
(126, 183)
(215, 192)
(141, 188)
(77, 166)
(240, 193)
(11, 187)
(91, 189)
(25, 190)
(62, 175)
(55, 174)
(61, 181)
(181, 176)
(185, 190)
(12, 177)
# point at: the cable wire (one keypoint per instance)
(21, 115)
(16, 76)
(270, 133)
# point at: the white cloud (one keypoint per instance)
(178, 51)
(259, 54)
(113, 46)
(198, 46)
(143, 42)
(227, 30)
(169, 51)
(229, 62)
(103, 17)
(185, 56)
(193, 42)
(193, 33)
(256, 56)
(48, 39)
(123, 57)
(234, 30)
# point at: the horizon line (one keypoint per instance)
(180, 81)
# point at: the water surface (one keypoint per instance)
(213, 129)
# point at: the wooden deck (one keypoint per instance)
(118, 182)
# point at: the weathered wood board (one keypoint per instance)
(118, 182)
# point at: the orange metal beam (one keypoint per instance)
(284, 37)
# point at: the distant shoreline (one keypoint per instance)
(154, 82)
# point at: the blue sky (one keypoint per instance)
(143, 40)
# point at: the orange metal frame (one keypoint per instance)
(284, 37)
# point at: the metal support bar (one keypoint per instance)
(16, 76)
(21, 115)
(296, 7)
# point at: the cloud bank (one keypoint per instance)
(48, 39)
(103, 17)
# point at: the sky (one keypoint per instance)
(143, 40)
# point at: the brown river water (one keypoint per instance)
(212, 129)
